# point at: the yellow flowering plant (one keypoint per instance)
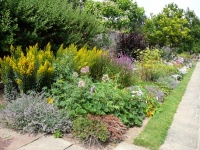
(151, 66)
(31, 70)
(74, 59)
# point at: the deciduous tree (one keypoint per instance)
(168, 27)
(123, 15)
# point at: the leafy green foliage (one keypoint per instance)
(51, 21)
(90, 131)
(34, 113)
(167, 28)
(117, 14)
(151, 66)
(80, 96)
(7, 27)
(57, 134)
(151, 104)
(190, 45)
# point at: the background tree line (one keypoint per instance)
(87, 22)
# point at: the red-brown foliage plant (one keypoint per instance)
(114, 126)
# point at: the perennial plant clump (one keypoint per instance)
(123, 66)
(151, 66)
(91, 132)
(30, 71)
(81, 96)
(35, 113)
(113, 125)
(168, 81)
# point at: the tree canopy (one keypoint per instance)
(193, 24)
(168, 28)
(124, 15)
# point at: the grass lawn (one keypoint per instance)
(154, 134)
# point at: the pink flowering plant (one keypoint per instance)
(85, 71)
(122, 66)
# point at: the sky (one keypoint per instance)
(156, 6)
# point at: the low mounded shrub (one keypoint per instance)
(95, 129)
(169, 81)
(35, 113)
(113, 125)
(91, 132)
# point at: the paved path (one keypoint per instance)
(182, 135)
(184, 131)
(11, 140)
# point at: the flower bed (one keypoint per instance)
(78, 88)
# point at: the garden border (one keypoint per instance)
(155, 132)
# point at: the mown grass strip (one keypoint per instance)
(154, 134)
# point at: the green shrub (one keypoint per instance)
(113, 125)
(7, 27)
(151, 66)
(35, 113)
(92, 132)
(51, 21)
(76, 59)
(80, 96)
(99, 67)
(150, 101)
(58, 134)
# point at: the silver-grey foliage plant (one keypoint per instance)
(32, 113)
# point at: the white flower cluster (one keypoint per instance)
(105, 77)
(183, 70)
(85, 70)
(138, 93)
(75, 74)
(176, 76)
(81, 84)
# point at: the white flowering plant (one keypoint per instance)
(81, 96)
